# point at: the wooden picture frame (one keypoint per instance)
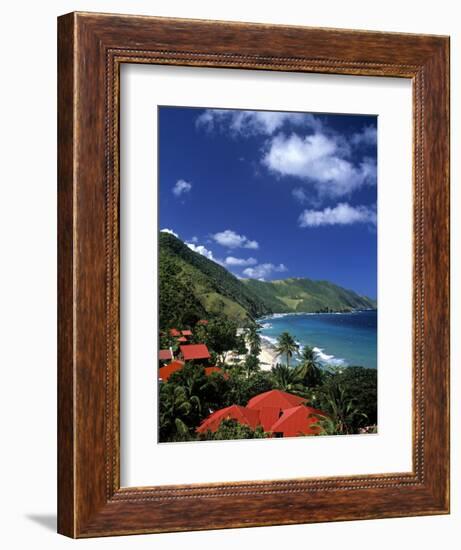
(91, 49)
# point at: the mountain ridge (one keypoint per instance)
(192, 287)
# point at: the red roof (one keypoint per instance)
(268, 416)
(243, 415)
(290, 421)
(297, 421)
(211, 370)
(275, 398)
(186, 332)
(165, 372)
(174, 332)
(164, 355)
(194, 351)
(202, 322)
(182, 339)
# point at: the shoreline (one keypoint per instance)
(288, 314)
(267, 357)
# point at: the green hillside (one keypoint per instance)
(305, 295)
(192, 287)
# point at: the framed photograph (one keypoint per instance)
(253, 275)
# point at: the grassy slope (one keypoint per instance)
(211, 289)
(298, 295)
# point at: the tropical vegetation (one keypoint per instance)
(347, 396)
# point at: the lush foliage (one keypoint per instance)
(191, 287)
(221, 337)
(310, 370)
(286, 346)
(231, 429)
(349, 397)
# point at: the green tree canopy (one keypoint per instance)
(231, 429)
(287, 346)
(310, 370)
(220, 335)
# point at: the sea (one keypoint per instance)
(338, 339)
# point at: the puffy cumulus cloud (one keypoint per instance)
(170, 231)
(250, 123)
(262, 271)
(317, 159)
(342, 214)
(239, 262)
(231, 239)
(181, 187)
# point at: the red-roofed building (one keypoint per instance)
(277, 418)
(243, 415)
(202, 322)
(182, 339)
(211, 370)
(191, 352)
(297, 421)
(174, 332)
(275, 398)
(165, 372)
(165, 355)
(268, 416)
(186, 332)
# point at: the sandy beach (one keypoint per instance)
(267, 357)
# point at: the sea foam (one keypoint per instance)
(328, 359)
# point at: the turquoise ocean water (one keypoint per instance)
(337, 338)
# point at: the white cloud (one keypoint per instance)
(317, 159)
(180, 187)
(342, 214)
(239, 262)
(200, 249)
(262, 271)
(231, 239)
(170, 231)
(250, 123)
(367, 136)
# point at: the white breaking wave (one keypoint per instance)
(266, 325)
(272, 341)
(328, 359)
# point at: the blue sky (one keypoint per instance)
(272, 195)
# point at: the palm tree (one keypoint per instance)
(287, 379)
(254, 341)
(175, 408)
(341, 412)
(310, 368)
(287, 346)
